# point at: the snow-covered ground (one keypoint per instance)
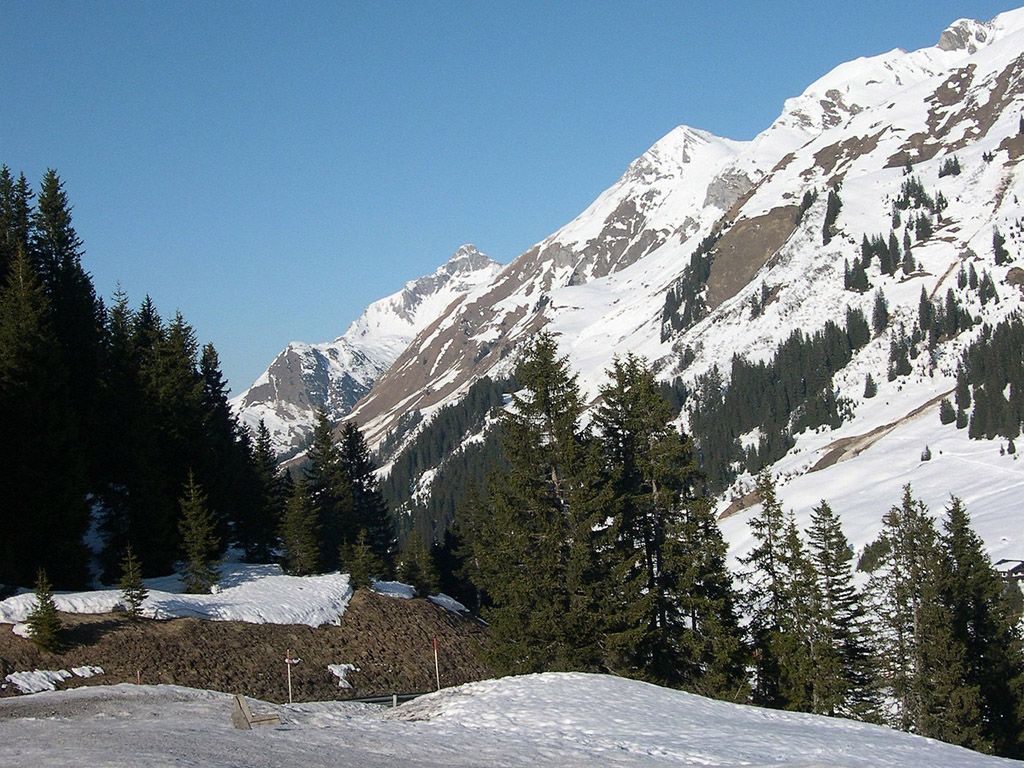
(257, 594)
(549, 720)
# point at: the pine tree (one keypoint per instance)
(841, 644)
(76, 315)
(1002, 255)
(417, 566)
(370, 510)
(329, 488)
(653, 475)
(45, 628)
(44, 481)
(133, 590)
(299, 533)
(908, 561)
(832, 208)
(362, 563)
(982, 622)
(200, 545)
(880, 313)
(713, 646)
(764, 598)
(792, 643)
(15, 218)
(947, 413)
(533, 541)
(870, 387)
(256, 526)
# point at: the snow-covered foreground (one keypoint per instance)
(258, 594)
(550, 719)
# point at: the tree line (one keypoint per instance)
(116, 424)
(595, 548)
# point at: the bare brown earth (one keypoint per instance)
(390, 641)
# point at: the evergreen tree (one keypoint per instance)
(908, 560)
(43, 484)
(299, 533)
(417, 567)
(533, 540)
(362, 563)
(870, 387)
(880, 313)
(654, 480)
(76, 315)
(1002, 255)
(713, 644)
(200, 545)
(842, 649)
(370, 510)
(133, 590)
(256, 526)
(45, 628)
(947, 414)
(329, 488)
(15, 218)
(792, 643)
(832, 208)
(765, 597)
(982, 622)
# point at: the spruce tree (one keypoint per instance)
(533, 541)
(880, 313)
(361, 562)
(792, 643)
(842, 640)
(653, 476)
(45, 628)
(299, 532)
(765, 598)
(713, 646)
(15, 218)
(44, 480)
(908, 560)
(256, 525)
(200, 545)
(369, 509)
(417, 568)
(982, 621)
(133, 590)
(329, 486)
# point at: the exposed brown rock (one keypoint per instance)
(746, 247)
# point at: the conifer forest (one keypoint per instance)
(585, 538)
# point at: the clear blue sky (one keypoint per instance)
(271, 168)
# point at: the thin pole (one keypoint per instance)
(288, 664)
(437, 669)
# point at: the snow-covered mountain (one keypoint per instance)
(865, 129)
(612, 280)
(334, 375)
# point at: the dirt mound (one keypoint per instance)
(389, 640)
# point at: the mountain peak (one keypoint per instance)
(466, 259)
(964, 35)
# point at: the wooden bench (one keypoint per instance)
(242, 718)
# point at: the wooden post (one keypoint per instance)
(437, 668)
(288, 664)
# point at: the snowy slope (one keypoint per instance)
(257, 594)
(599, 283)
(334, 375)
(547, 720)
